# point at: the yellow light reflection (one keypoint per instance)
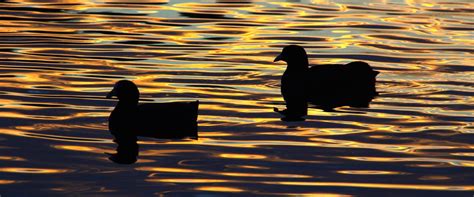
(165, 152)
(159, 169)
(219, 189)
(5, 182)
(79, 148)
(454, 162)
(380, 185)
(231, 174)
(242, 156)
(239, 174)
(213, 134)
(16, 132)
(187, 180)
(33, 170)
(12, 158)
(248, 167)
(368, 172)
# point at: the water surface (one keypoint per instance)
(60, 58)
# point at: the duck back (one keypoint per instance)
(334, 85)
(174, 120)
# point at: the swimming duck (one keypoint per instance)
(129, 119)
(326, 86)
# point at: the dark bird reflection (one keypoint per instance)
(327, 86)
(175, 120)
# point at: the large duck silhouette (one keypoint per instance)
(129, 119)
(327, 86)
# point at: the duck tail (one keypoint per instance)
(196, 126)
(375, 73)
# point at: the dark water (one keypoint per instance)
(60, 58)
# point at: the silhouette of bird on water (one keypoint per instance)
(327, 86)
(129, 119)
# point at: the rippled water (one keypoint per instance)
(60, 58)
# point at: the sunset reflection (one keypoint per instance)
(218, 189)
(377, 185)
(32, 170)
(60, 58)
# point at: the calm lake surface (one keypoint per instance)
(60, 58)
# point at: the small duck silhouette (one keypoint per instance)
(129, 119)
(326, 86)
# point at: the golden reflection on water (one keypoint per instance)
(5, 182)
(237, 174)
(79, 148)
(368, 172)
(60, 58)
(12, 158)
(218, 189)
(187, 180)
(248, 167)
(229, 174)
(33, 170)
(176, 170)
(242, 156)
(454, 162)
(379, 185)
(434, 178)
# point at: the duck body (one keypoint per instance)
(334, 85)
(173, 120)
(327, 86)
(129, 119)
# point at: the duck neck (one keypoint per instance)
(127, 104)
(297, 66)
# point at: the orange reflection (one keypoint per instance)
(454, 162)
(12, 114)
(239, 174)
(213, 134)
(380, 185)
(242, 156)
(173, 170)
(33, 170)
(12, 158)
(80, 148)
(5, 182)
(248, 167)
(410, 148)
(219, 189)
(368, 172)
(166, 152)
(17, 132)
(231, 174)
(60, 62)
(188, 180)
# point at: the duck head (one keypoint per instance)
(125, 91)
(294, 55)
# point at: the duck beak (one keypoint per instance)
(278, 58)
(111, 94)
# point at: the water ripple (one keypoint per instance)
(60, 59)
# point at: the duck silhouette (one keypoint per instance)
(129, 119)
(326, 86)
